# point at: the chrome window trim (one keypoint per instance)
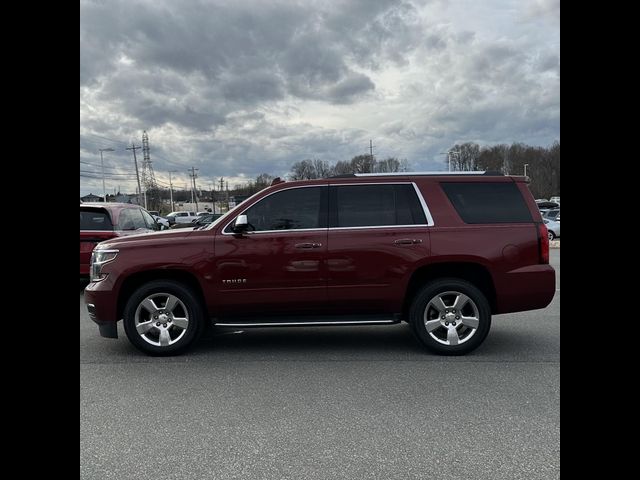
(425, 208)
(267, 196)
(427, 212)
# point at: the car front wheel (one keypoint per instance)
(163, 317)
(450, 316)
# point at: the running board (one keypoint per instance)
(311, 323)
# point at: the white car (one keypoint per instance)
(164, 223)
(181, 217)
(553, 228)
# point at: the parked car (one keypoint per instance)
(201, 221)
(443, 252)
(551, 214)
(547, 205)
(102, 221)
(553, 228)
(181, 217)
(162, 221)
(555, 199)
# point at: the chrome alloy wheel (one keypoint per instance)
(161, 319)
(451, 318)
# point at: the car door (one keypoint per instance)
(277, 267)
(377, 235)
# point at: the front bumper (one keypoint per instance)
(101, 305)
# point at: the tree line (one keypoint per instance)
(543, 168)
(542, 163)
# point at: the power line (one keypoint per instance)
(111, 173)
(105, 138)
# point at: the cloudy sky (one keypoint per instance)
(243, 87)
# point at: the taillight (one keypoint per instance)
(543, 243)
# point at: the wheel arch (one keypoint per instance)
(474, 273)
(134, 281)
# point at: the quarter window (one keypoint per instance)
(487, 202)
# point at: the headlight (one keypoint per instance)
(98, 259)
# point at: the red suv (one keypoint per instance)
(443, 252)
(102, 221)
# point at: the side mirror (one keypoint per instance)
(241, 224)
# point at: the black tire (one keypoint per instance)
(181, 338)
(469, 338)
(552, 236)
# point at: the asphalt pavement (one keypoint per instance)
(325, 403)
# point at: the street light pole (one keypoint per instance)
(104, 190)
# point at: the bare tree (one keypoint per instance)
(388, 165)
(303, 170)
(342, 168)
(322, 168)
(363, 164)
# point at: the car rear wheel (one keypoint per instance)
(163, 317)
(450, 316)
(551, 235)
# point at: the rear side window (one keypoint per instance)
(95, 220)
(375, 206)
(488, 202)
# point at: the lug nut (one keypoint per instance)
(446, 323)
(453, 323)
(169, 320)
(457, 317)
(164, 325)
(442, 317)
(157, 324)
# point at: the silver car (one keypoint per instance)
(553, 228)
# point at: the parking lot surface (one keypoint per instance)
(322, 402)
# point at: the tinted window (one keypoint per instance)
(131, 219)
(95, 220)
(489, 202)
(289, 209)
(376, 205)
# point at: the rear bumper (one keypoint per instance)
(101, 306)
(527, 288)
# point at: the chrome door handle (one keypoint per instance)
(307, 246)
(407, 241)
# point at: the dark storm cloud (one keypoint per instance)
(245, 87)
(258, 51)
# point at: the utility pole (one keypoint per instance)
(194, 175)
(104, 190)
(171, 189)
(133, 148)
(371, 155)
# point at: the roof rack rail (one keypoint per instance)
(440, 173)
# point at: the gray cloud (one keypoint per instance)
(242, 87)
